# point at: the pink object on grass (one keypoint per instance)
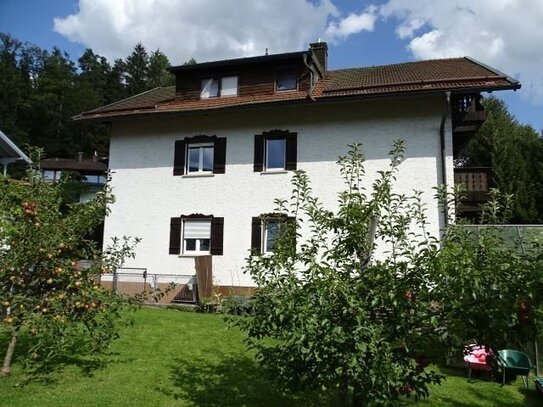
(476, 359)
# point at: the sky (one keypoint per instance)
(505, 34)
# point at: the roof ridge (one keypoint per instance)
(400, 63)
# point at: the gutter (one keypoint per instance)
(311, 76)
(446, 108)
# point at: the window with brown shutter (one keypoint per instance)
(199, 155)
(266, 229)
(196, 234)
(275, 150)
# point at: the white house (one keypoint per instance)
(195, 166)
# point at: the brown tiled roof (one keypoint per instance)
(144, 100)
(438, 74)
(410, 77)
(73, 164)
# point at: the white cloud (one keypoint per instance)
(352, 24)
(506, 34)
(203, 29)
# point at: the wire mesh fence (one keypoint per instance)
(152, 288)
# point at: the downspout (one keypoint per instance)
(311, 82)
(446, 108)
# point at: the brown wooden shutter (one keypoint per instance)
(259, 153)
(217, 233)
(179, 158)
(175, 235)
(219, 156)
(292, 151)
(256, 236)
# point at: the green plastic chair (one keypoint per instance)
(516, 363)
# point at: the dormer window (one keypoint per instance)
(286, 80)
(219, 87)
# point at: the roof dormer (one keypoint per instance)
(254, 77)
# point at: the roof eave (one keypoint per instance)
(236, 62)
(497, 72)
(18, 155)
(322, 99)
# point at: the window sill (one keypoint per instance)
(269, 172)
(193, 255)
(198, 175)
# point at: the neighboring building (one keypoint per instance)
(195, 166)
(91, 172)
(10, 153)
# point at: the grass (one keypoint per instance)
(174, 358)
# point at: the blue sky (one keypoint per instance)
(504, 34)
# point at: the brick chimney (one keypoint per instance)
(80, 156)
(320, 50)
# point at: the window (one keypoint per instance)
(270, 233)
(200, 158)
(196, 234)
(275, 151)
(94, 179)
(219, 87)
(51, 175)
(200, 155)
(286, 80)
(266, 230)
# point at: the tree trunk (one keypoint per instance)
(358, 399)
(344, 394)
(6, 368)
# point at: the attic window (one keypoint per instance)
(219, 87)
(286, 80)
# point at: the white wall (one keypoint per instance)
(148, 195)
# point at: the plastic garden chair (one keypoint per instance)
(516, 363)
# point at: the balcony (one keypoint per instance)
(476, 182)
(468, 115)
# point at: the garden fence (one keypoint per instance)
(152, 288)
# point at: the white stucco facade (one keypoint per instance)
(148, 194)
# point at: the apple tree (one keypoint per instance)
(364, 299)
(45, 291)
(328, 312)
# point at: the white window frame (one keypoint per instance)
(198, 239)
(265, 224)
(266, 155)
(230, 93)
(286, 71)
(200, 147)
(206, 85)
(204, 88)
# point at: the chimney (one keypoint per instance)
(95, 157)
(80, 156)
(320, 50)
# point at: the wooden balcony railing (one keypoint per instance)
(475, 181)
(468, 109)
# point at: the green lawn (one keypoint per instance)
(174, 358)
